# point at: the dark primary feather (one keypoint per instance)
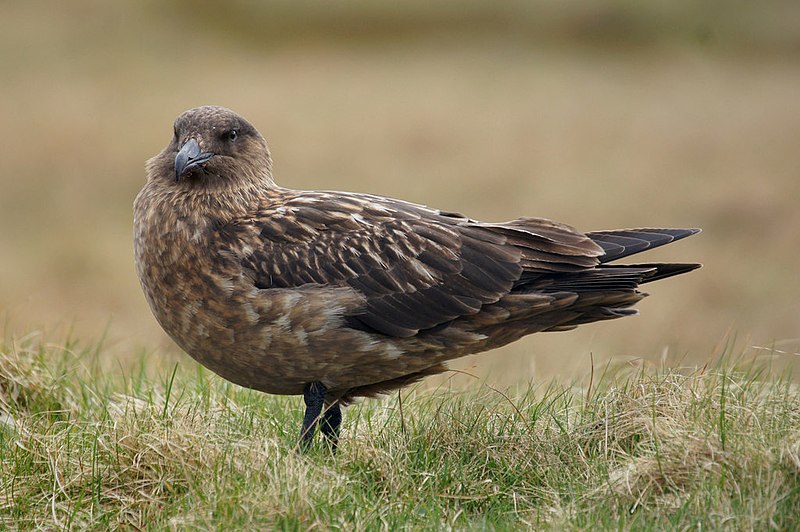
(625, 242)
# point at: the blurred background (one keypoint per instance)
(600, 114)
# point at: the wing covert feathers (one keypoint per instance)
(418, 268)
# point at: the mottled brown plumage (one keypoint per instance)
(278, 289)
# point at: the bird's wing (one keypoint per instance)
(415, 267)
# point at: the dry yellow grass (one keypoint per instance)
(656, 449)
(683, 133)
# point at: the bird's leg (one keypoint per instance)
(331, 422)
(314, 397)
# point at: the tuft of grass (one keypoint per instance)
(660, 448)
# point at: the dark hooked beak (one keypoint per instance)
(190, 157)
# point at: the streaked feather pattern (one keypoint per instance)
(275, 288)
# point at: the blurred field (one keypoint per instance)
(601, 115)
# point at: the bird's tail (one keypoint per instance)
(608, 290)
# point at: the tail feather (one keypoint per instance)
(616, 277)
(612, 277)
(601, 292)
(600, 279)
(664, 270)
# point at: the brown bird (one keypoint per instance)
(337, 295)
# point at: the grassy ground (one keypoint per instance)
(80, 447)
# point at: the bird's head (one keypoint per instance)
(213, 147)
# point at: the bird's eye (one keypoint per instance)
(232, 134)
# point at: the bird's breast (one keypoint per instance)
(273, 340)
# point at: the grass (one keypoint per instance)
(87, 448)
